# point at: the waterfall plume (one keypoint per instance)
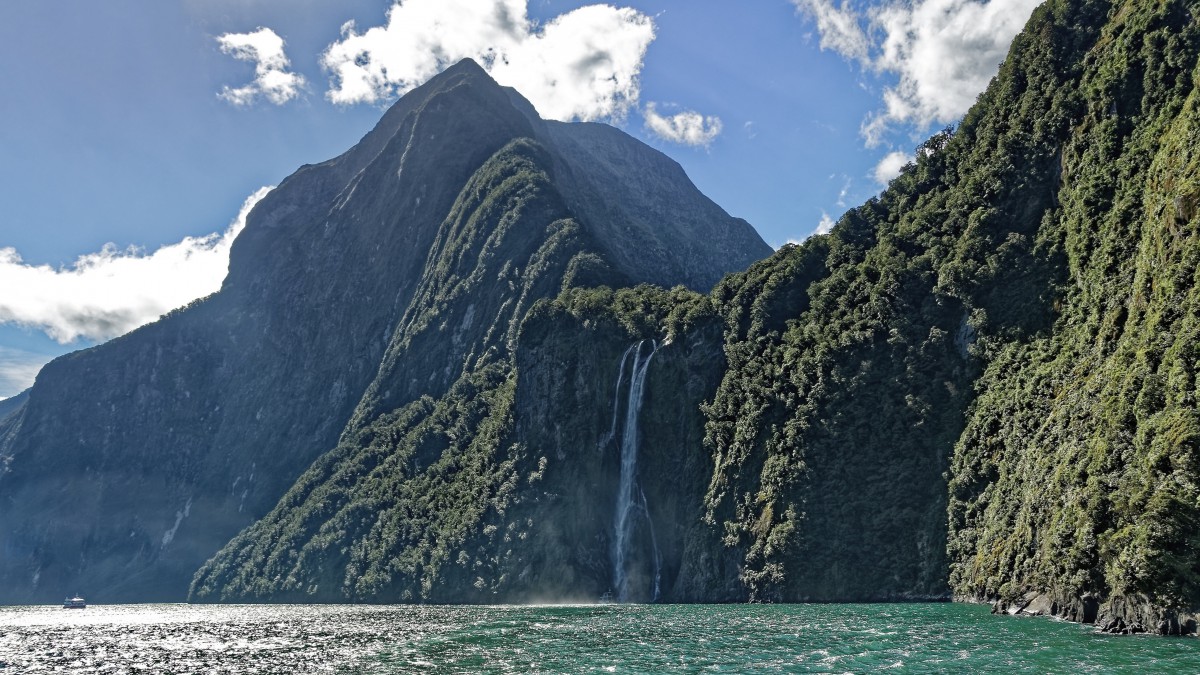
(631, 501)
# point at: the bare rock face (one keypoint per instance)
(1118, 615)
(359, 286)
(1127, 615)
(1081, 609)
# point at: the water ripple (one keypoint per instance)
(265, 639)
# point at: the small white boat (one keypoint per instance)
(74, 603)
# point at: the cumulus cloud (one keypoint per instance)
(271, 76)
(687, 127)
(942, 53)
(105, 294)
(890, 166)
(582, 65)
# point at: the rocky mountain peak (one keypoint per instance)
(360, 285)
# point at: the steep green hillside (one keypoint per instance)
(853, 357)
(1018, 310)
(1077, 475)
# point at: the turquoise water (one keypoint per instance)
(562, 639)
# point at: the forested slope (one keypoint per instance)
(1077, 474)
(1015, 313)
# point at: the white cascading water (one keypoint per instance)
(612, 430)
(657, 553)
(630, 499)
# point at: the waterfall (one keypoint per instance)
(657, 553)
(612, 430)
(630, 499)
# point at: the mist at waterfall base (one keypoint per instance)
(261, 639)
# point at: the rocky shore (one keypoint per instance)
(1118, 615)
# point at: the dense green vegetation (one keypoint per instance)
(1046, 246)
(1078, 470)
(836, 420)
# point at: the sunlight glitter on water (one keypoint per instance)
(564, 639)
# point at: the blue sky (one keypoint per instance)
(134, 132)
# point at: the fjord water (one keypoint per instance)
(567, 639)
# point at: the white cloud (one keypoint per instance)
(581, 65)
(839, 28)
(687, 127)
(945, 52)
(942, 53)
(18, 368)
(105, 294)
(271, 77)
(825, 225)
(890, 166)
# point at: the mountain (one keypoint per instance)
(12, 403)
(360, 288)
(981, 384)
